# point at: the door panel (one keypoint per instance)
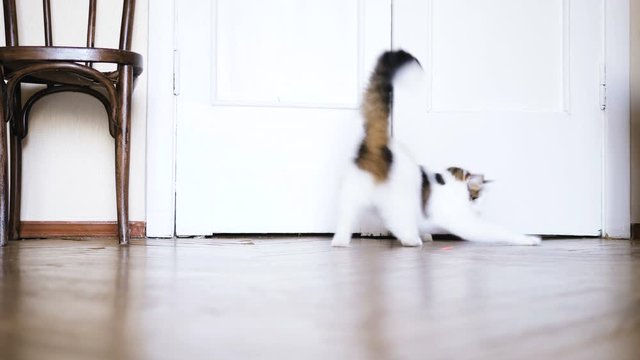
(498, 55)
(512, 90)
(286, 52)
(268, 111)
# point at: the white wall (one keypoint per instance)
(68, 172)
(635, 110)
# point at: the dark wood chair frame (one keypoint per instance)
(64, 69)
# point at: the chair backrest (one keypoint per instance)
(126, 25)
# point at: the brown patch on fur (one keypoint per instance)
(474, 190)
(474, 181)
(458, 173)
(374, 155)
(375, 108)
(376, 161)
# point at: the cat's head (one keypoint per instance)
(475, 182)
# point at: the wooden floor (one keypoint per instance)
(301, 299)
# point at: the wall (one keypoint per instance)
(68, 172)
(635, 110)
(68, 156)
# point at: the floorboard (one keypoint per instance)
(298, 298)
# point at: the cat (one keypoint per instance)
(413, 201)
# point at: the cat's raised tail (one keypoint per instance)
(374, 155)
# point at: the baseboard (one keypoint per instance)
(635, 231)
(52, 229)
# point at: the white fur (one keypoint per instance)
(398, 200)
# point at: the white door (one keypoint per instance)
(269, 91)
(511, 89)
(268, 109)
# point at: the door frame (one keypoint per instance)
(616, 192)
(162, 131)
(161, 112)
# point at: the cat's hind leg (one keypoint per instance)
(347, 216)
(400, 217)
(354, 197)
(404, 230)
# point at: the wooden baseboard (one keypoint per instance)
(53, 229)
(635, 231)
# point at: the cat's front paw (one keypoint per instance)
(426, 238)
(531, 240)
(340, 241)
(411, 242)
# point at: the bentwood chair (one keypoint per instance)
(64, 69)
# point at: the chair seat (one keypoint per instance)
(19, 57)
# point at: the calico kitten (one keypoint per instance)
(412, 200)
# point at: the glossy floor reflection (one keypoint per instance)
(301, 299)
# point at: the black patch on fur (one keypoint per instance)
(387, 155)
(426, 189)
(425, 178)
(364, 151)
(440, 179)
(391, 61)
(388, 64)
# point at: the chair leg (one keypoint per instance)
(4, 184)
(123, 137)
(15, 175)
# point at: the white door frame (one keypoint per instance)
(161, 128)
(161, 112)
(616, 194)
